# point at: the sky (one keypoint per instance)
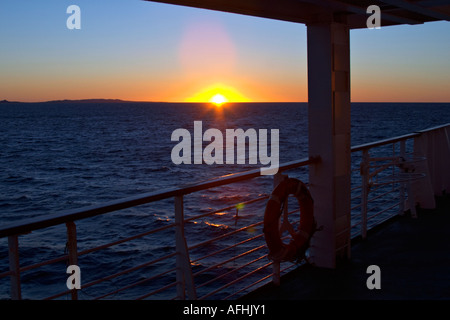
(145, 51)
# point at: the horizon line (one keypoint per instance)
(93, 100)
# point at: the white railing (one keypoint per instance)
(390, 171)
(188, 269)
(227, 264)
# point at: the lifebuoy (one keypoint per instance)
(278, 251)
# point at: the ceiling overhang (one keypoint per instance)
(352, 12)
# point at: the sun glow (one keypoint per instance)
(218, 94)
(218, 99)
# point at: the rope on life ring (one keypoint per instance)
(296, 249)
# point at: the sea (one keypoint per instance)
(58, 156)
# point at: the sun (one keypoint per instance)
(218, 99)
(218, 94)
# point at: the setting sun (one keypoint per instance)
(218, 99)
(218, 94)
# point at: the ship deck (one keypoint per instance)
(413, 256)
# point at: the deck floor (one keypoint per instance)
(413, 256)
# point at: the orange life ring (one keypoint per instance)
(296, 249)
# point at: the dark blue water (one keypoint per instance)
(59, 156)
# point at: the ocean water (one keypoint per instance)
(66, 155)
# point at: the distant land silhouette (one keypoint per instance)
(77, 101)
(89, 101)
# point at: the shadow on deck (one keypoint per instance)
(413, 255)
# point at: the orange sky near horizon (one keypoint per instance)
(168, 53)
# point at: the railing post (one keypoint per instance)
(406, 185)
(14, 267)
(185, 280)
(364, 191)
(411, 200)
(402, 185)
(72, 250)
(277, 178)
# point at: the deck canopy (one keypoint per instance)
(393, 12)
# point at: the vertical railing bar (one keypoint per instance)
(411, 200)
(277, 178)
(393, 166)
(364, 191)
(185, 280)
(406, 185)
(72, 250)
(402, 184)
(14, 267)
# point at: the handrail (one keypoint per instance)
(434, 128)
(378, 143)
(40, 222)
